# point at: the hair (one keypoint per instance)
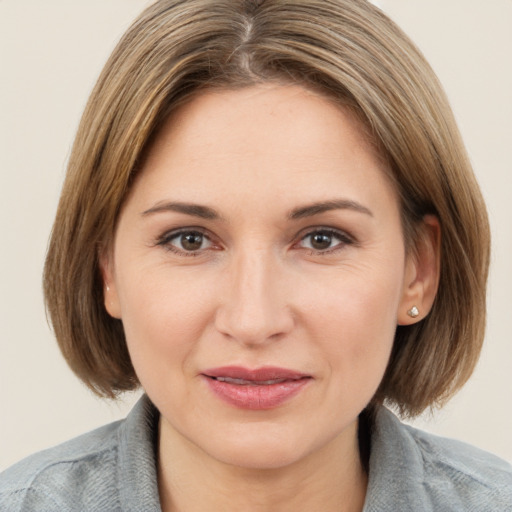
(354, 55)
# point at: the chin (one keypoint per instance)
(263, 456)
(264, 447)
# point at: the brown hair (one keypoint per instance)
(355, 55)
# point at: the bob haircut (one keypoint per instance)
(350, 52)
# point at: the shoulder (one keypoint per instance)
(78, 474)
(458, 469)
(111, 468)
(420, 471)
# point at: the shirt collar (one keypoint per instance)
(137, 468)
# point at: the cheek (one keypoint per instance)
(358, 343)
(354, 323)
(357, 349)
(359, 299)
(163, 316)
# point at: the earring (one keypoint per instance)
(413, 312)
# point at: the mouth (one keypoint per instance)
(261, 388)
(244, 382)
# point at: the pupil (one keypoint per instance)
(191, 241)
(321, 241)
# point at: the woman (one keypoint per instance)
(269, 223)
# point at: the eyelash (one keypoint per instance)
(166, 238)
(344, 240)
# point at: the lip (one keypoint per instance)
(255, 389)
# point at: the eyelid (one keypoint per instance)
(164, 240)
(342, 235)
(167, 236)
(172, 233)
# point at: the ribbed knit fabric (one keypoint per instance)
(109, 469)
(113, 468)
(412, 471)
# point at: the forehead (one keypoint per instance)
(291, 114)
(285, 140)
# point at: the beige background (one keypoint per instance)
(51, 53)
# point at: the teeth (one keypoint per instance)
(243, 382)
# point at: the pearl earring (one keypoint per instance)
(413, 312)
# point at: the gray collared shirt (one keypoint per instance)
(113, 468)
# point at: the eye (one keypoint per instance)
(325, 240)
(189, 242)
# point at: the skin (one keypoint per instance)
(266, 281)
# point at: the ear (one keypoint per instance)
(422, 271)
(110, 294)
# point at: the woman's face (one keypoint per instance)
(259, 271)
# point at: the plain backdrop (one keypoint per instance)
(51, 53)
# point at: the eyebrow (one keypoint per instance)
(196, 210)
(325, 206)
(205, 212)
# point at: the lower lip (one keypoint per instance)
(257, 397)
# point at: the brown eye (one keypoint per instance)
(191, 241)
(188, 242)
(321, 241)
(325, 240)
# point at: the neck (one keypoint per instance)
(331, 479)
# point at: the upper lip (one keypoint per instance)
(266, 373)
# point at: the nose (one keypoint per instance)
(254, 304)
